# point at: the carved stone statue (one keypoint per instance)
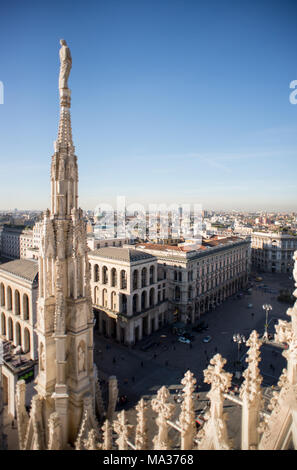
(66, 63)
(81, 358)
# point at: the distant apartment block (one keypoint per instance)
(26, 242)
(273, 252)
(10, 241)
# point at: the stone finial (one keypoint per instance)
(187, 416)
(251, 395)
(88, 423)
(216, 376)
(286, 332)
(123, 430)
(91, 443)
(213, 435)
(164, 410)
(251, 387)
(107, 435)
(141, 438)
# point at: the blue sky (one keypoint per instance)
(172, 101)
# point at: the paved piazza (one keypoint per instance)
(142, 373)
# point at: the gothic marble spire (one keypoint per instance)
(64, 316)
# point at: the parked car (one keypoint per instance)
(182, 339)
(189, 336)
(206, 339)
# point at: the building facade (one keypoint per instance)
(18, 300)
(129, 298)
(201, 277)
(273, 252)
(26, 243)
(97, 243)
(10, 241)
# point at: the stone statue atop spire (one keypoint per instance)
(66, 64)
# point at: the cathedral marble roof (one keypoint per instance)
(23, 268)
(122, 254)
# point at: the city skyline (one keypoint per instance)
(200, 117)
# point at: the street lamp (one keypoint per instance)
(267, 308)
(239, 339)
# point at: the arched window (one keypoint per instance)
(135, 301)
(9, 298)
(113, 299)
(18, 335)
(10, 329)
(135, 279)
(26, 309)
(96, 273)
(27, 341)
(104, 275)
(2, 294)
(152, 297)
(104, 298)
(3, 325)
(96, 295)
(177, 293)
(124, 303)
(152, 274)
(17, 307)
(143, 277)
(123, 279)
(190, 293)
(143, 300)
(175, 275)
(114, 277)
